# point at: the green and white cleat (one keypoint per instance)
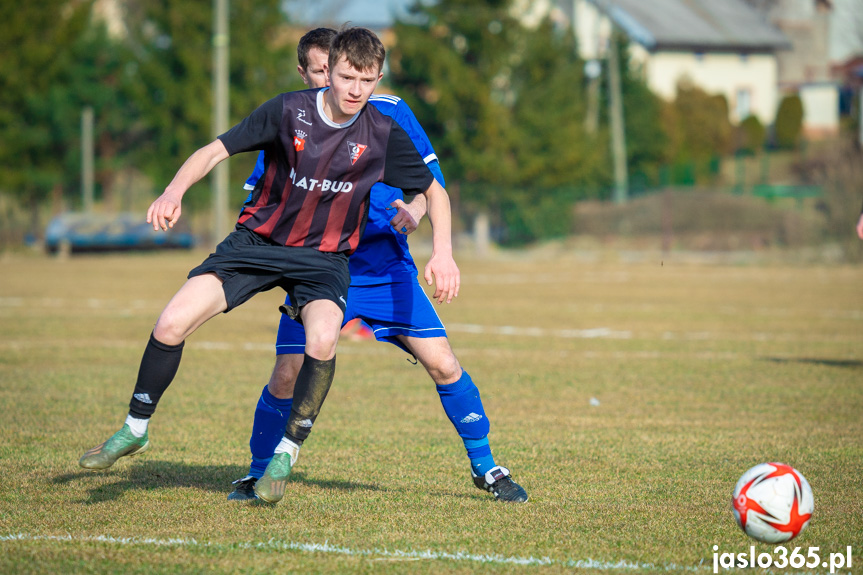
(271, 486)
(121, 444)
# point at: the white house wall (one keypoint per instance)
(731, 75)
(592, 31)
(820, 109)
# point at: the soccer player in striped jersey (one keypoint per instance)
(385, 293)
(324, 149)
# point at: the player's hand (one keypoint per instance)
(164, 212)
(405, 220)
(447, 277)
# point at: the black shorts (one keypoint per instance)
(248, 263)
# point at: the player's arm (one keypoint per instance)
(166, 210)
(860, 225)
(406, 169)
(409, 215)
(253, 133)
(441, 264)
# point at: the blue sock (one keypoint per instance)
(271, 417)
(463, 406)
(479, 452)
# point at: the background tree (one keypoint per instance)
(36, 40)
(647, 142)
(99, 73)
(452, 64)
(750, 136)
(557, 161)
(149, 88)
(789, 122)
(172, 45)
(504, 106)
(699, 133)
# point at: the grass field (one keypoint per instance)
(700, 371)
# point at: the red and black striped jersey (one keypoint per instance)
(318, 174)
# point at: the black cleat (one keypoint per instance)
(499, 482)
(244, 489)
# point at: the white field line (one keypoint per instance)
(126, 307)
(351, 348)
(154, 305)
(374, 553)
(594, 333)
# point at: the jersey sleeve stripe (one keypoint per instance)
(386, 97)
(430, 158)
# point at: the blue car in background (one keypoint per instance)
(80, 232)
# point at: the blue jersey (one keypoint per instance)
(383, 256)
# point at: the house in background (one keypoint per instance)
(805, 68)
(723, 47)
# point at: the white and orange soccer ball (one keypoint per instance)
(773, 502)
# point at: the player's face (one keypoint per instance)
(317, 73)
(350, 89)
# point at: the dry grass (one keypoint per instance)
(701, 371)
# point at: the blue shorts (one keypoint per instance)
(399, 308)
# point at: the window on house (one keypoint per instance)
(743, 103)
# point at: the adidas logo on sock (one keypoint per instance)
(471, 417)
(305, 423)
(143, 397)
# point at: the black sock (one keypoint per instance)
(158, 368)
(310, 391)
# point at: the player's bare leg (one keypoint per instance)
(199, 299)
(281, 384)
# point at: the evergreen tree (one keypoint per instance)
(647, 143)
(504, 106)
(699, 132)
(789, 122)
(150, 90)
(172, 45)
(37, 40)
(451, 63)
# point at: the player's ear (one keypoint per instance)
(302, 74)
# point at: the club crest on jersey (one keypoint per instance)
(299, 140)
(356, 150)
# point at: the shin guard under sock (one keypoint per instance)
(310, 391)
(158, 368)
(463, 406)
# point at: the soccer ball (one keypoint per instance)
(773, 502)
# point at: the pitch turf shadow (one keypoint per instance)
(146, 475)
(300, 477)
(149, 475)
(851, 363)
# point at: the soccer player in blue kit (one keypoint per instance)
(325, 149)
(384, 293)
